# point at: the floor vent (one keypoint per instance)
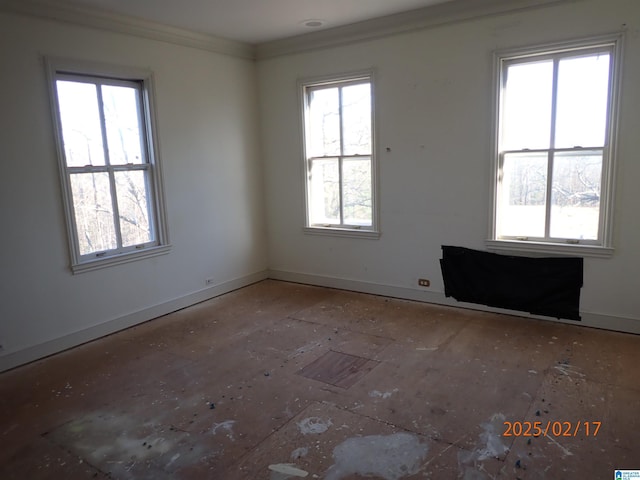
(338, 369)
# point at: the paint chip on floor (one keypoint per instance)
(226, 425)
(314, 425)
(489, 446)
(390, 457)
(299, 453)
(286, 471)
(383, 395)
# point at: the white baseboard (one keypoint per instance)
(35, 352)
(589, 319)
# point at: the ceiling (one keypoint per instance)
(254, 21)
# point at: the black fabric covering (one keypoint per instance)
(542, 286)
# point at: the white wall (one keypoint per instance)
(433, 102)
(208, 135)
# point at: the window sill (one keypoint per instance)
(343, 232)
(90, 265)
(515, 246)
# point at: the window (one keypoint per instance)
(339, 154)
(555, 149)
(108, 164)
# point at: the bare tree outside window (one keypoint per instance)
(107, 166)
(553, 144)
(339, 153)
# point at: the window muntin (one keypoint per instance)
(108, 167)
(339, 153)
(554, 153)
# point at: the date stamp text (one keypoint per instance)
(551, 428)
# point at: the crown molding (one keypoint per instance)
(427, 17)
(94, 18)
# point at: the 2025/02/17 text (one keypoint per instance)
(553, 428)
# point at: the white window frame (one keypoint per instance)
(304, 85)
(60, 68)
(603, 246)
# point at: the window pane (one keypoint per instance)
(356, 191)
(583, 86)
(521, 212)
(527, 106)
(80, 118)
(123, 125)
(133, 208)
(94, 212)
(324, 195)
(324, 123)
(356, 119)
(575, 196)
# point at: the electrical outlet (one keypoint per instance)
(209, 281)
(423, 282)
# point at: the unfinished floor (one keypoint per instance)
(280, 380)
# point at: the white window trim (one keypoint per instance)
(78, 264)
(604, 247)
(370, 232)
